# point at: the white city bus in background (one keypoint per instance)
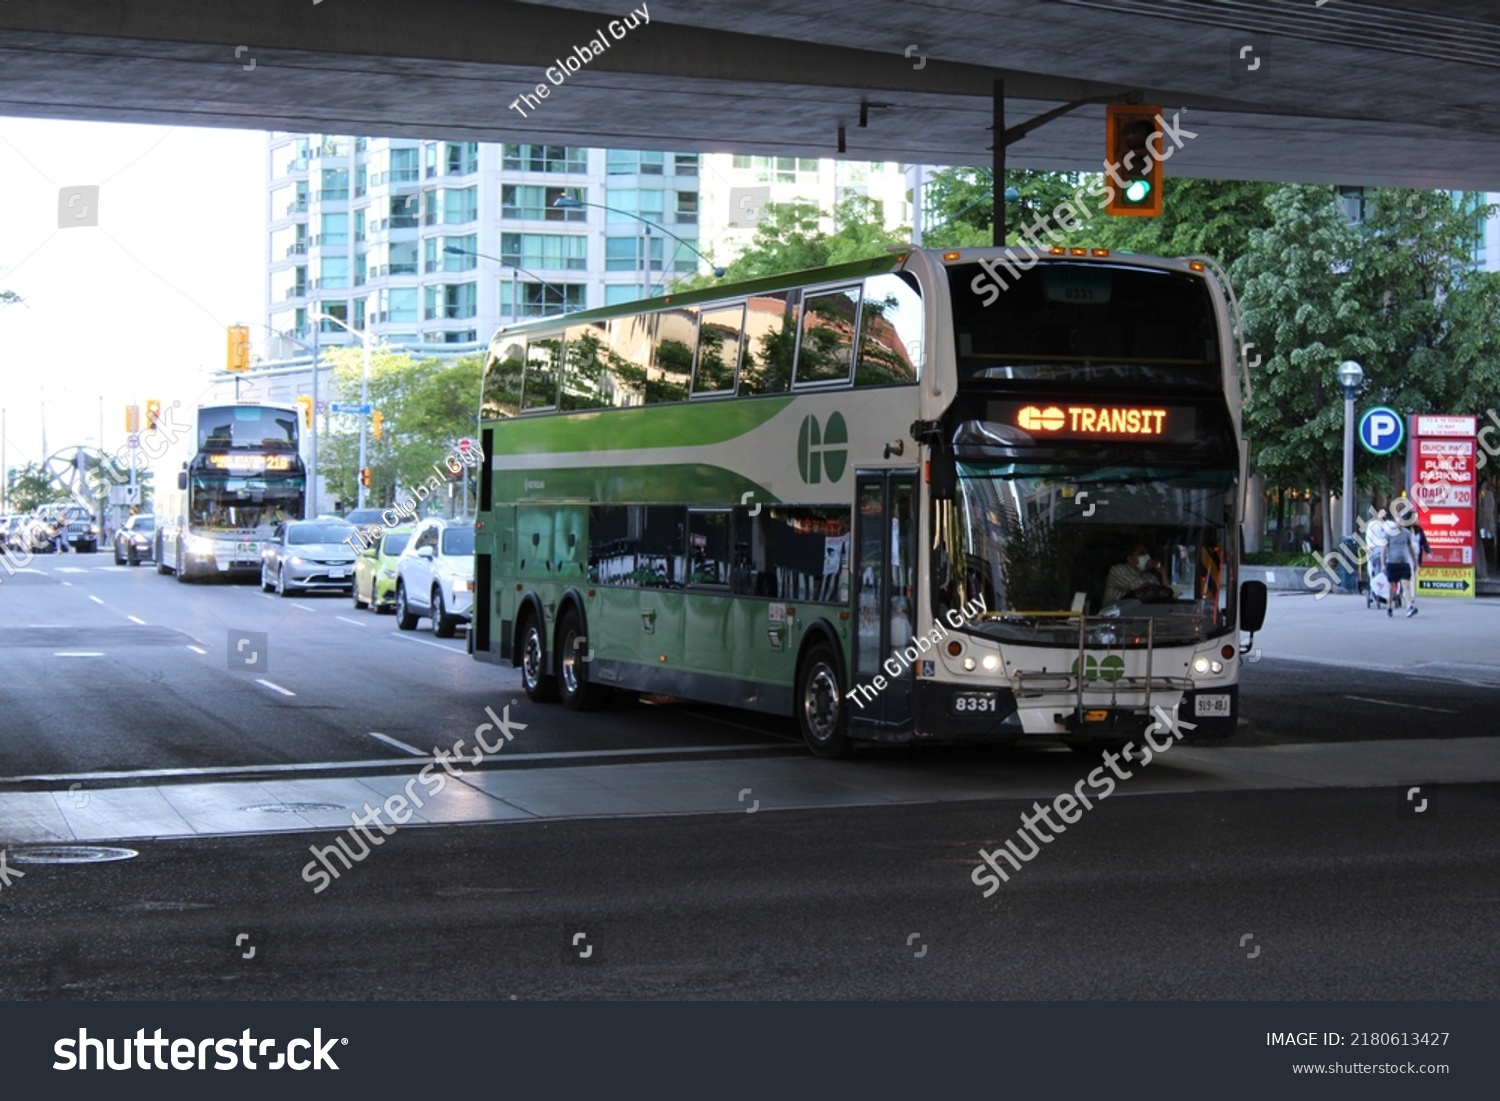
(240, 475)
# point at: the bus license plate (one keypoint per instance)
(970, 703)
(1211, 705)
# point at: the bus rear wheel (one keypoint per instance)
(540, 686)
(573, 657)
(820, 704)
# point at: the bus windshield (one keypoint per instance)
(1042, 543)
(246, 427)
(221, 503)
(1085, 322)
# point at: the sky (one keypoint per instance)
(135, 307)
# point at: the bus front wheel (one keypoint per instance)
(573, 657)
(820, 705)
(541, 687)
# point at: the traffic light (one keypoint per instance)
(1132, 144)
(375, 421)
(305, 400)
(238, 358)
(364, 477)
(132, 418)
(153, 414)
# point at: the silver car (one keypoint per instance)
(309, 555)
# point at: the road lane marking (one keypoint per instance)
(275, 687)
(346, 619)
(304, 607)
(439, 645)
(136, 619)
(197, 649)
(79, 654)
(69, 569)
(69, 584)
(96, 600)
(1393, 703)
(413, 750)
(384, 762)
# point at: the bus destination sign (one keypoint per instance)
(1089, 421)
(250, 464)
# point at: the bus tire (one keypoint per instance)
(541, 687)
(819, 703)
(405, 620)
(578, 693)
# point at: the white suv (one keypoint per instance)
(435, 576)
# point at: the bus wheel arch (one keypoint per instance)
(818, 702)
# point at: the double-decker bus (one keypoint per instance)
(911, 499)
(245, 476)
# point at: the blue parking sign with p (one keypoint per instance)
(1381, 430)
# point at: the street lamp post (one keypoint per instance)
(1350, 375)
(364, 397)
(515, 311)
(567, 202)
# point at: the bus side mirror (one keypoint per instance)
(182, 479)
(1252, 605)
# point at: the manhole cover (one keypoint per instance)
(294, 808)
(69, 854)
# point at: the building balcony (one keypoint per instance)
(297, 248)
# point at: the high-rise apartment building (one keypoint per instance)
(432, 245)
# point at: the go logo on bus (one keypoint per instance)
(1112, 668)
(822, 449)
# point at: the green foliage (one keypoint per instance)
(1199, 217)
(31, 487)
(959, 206)
(427, 405)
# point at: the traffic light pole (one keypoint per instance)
(1005, 137)
(312, 473)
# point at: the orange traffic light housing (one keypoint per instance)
(376, 419)
(132, 418)
(153, 414)
(306, 402)
(1132, 147)
(238, 355)
(364, 477)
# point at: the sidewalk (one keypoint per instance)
(1448, 639)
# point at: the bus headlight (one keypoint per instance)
(991, 662)
(1203, 666)
(198, 544)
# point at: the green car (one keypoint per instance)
(375, 570)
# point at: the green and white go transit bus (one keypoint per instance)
(902, 500)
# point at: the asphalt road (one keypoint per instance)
(1148, 897)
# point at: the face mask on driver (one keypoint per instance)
(1141, 560)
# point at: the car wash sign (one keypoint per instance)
(1441, 471)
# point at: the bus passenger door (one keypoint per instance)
(885, 534)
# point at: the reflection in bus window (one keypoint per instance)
(542, 361)
(792, 554)
(769, 343)
(828, 322)
(629, 358)
(719, 339)
(584, 373)
(676, 338)
(708, 547)
(890, 331)
(502, 380)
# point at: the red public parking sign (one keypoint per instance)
(1441, 471)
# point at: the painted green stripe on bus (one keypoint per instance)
(677, 425)
(674, 483)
